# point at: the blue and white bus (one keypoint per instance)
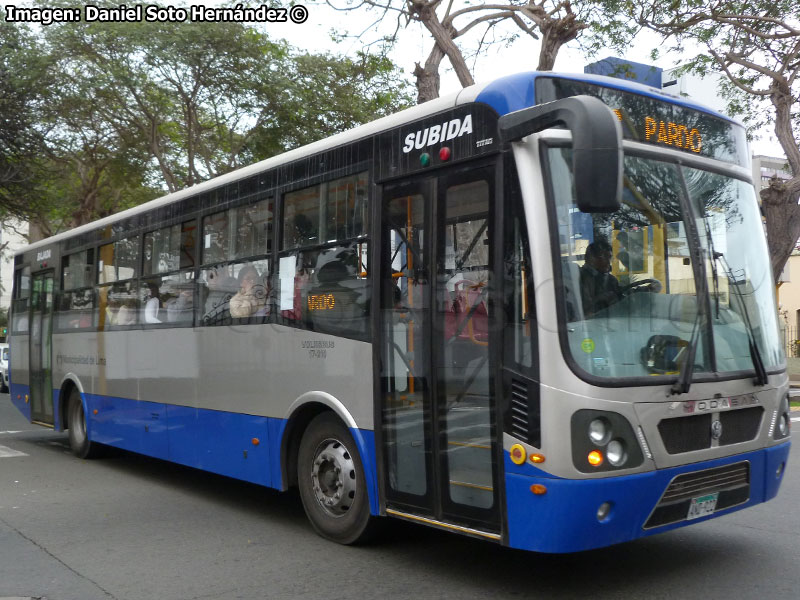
(538, 311)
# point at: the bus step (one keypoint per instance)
(442, 525)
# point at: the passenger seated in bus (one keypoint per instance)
(599, 288)
(180, 308)
(113, 304)
(152, 304)
(126, 315)
(251, 299)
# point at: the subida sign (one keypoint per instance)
(449, 136)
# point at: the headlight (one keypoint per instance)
(599, 431)
(615, 453)
(603, 441)
(784, 420)
(784, 425)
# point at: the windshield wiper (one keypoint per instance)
(755, 354)
(714, 274)
(684, 381)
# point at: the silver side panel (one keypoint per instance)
(256, 370)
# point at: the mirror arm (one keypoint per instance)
(596, 145)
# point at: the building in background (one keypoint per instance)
(12, 237)
(627, 69)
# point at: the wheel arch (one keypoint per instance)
(300, 414)
(68, 383)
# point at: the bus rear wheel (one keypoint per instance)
(332, 484)
(79, 441)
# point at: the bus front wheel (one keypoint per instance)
(79, 441)
(331, 480)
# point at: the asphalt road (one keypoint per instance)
(132, 528)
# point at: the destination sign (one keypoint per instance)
(659, 122)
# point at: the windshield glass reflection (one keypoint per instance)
(628, 282)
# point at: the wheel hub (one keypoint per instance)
(333, 475)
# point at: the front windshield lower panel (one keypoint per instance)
(627, 288)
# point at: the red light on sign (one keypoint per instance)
(444, 154)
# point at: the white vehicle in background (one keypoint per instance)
(4, 368)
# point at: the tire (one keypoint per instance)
(332, 484)
(79, 441)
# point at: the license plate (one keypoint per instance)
(702, 506)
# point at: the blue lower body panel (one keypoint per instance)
(565, 518)
(19, 397)
(245, 447)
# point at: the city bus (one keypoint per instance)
(538, 312)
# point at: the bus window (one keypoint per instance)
(118, 261)
(76, 300)
(117, 306)
(238, 233)
(215, 238)
(168, 299)
(238, 291)
(253, 226)
(338, 299)
(22, 294)
(518, 296)
(169, 249)
(326, 212)
(326, 290)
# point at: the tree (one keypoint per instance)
(122, 111)
(756, 45)
(552, 22)
(19, 141)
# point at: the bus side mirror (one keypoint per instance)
(596, 145)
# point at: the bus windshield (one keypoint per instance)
(628, 283)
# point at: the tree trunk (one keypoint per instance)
(779, 200)
(782, 216)
(428, 76)
(556, 33)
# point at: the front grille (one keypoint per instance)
(686, 434)
(732, 482)
(740, 425)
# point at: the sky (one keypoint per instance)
(414, 46)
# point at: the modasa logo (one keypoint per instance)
(438, 133)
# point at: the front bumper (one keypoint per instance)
(565, 518)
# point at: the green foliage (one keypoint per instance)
(756, 46)
(122, 111)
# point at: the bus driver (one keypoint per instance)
(599, 288)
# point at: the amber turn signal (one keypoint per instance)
(538, 489)
(595, 458)
(537, 458)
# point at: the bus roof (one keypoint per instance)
(504, 95)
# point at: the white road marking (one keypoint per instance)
(9, 433)
(6, 452)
